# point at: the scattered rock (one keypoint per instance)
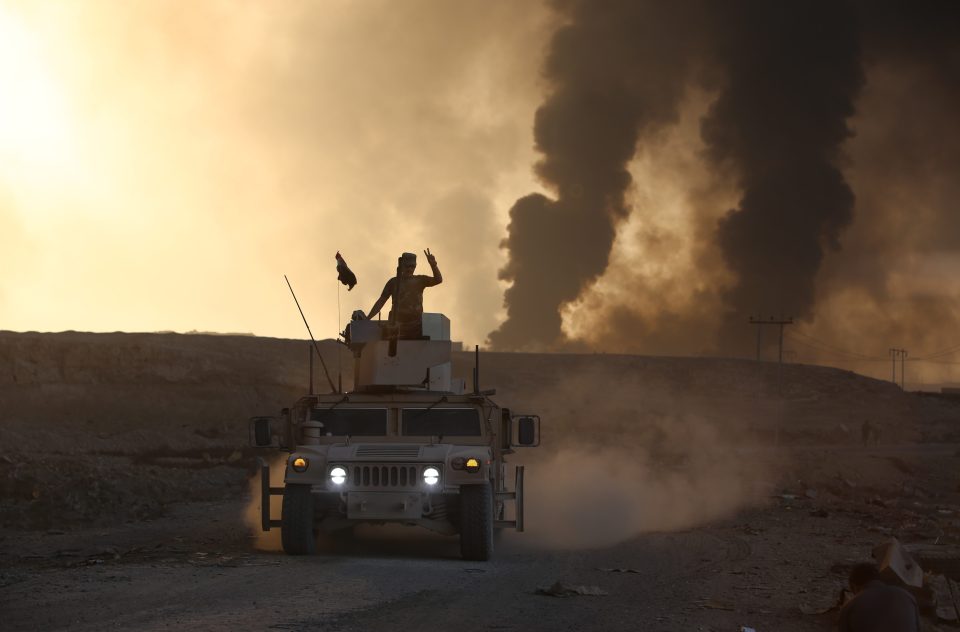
(895, 563)
(945, 608)
(715, 604)
(900, 464)
(559, 589)
(820, 513)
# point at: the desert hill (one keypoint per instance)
(95, 426)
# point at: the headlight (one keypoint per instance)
(300, 464)
(431, 476)
(338, 476)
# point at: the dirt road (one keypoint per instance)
(197, 567)
(165, 574)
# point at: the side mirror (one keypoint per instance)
(528, 431)
(261, 432)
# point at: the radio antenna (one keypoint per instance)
(333, 389)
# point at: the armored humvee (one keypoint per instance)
(408, 445)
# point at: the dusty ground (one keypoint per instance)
(124, 494)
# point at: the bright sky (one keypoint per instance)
(163, 165)
(163, 168)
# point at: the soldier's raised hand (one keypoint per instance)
(430, 258)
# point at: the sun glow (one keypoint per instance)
(35, 129)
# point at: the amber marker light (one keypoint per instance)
(300, 464)
(472, 465)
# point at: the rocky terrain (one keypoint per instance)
(117, 451)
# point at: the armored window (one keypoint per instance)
(441, 422)
(354, 422)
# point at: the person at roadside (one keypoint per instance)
(877, 606)
(407, 299)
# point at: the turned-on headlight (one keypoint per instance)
(431, 475)
(338, 475)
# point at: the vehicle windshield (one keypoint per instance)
(436, 422)
(355, 422)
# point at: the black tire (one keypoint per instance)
(476, 522)
(297, 530)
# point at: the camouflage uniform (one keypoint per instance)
(408, 310)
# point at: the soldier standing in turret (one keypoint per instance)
(407, 304)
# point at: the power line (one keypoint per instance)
(822, 346)
(942, 352)
(945, 362)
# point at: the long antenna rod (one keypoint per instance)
(333, 389)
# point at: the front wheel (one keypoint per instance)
(476, 522)
(297, 531)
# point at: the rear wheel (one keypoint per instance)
(476, 522)
(297, 531)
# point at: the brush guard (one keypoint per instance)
(517, 496)
(265, 493)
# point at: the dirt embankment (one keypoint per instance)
(96, 428)
(106, 427)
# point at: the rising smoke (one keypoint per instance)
(617, 71)
(791, 73)
(792, 87)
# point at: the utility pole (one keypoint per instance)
(759, 321)
(903, 361)
(902, 355)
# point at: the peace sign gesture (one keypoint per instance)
(430, 258)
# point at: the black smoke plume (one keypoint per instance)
(785, 77)
(790, 75)
(617, 71)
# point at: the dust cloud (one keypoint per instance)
(628, 457)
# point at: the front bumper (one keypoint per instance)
(386, 505)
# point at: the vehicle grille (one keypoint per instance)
(411, 451)
(383, 475)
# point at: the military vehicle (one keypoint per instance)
(407, 445)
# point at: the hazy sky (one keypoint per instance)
(163, 165)
(162, 168)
